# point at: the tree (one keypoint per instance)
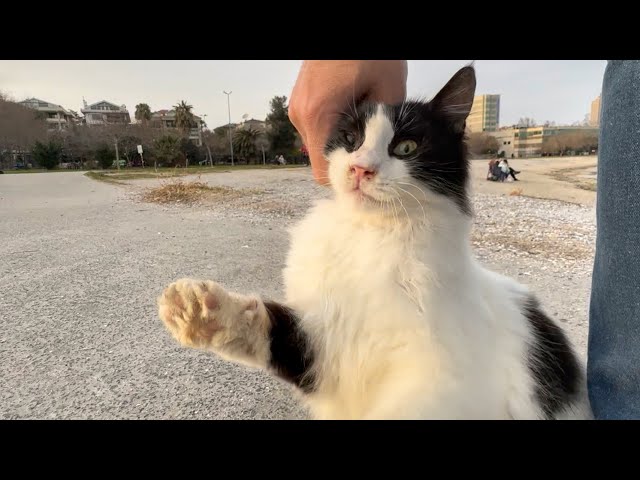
(566, 144)
(48, 154)
(143, 113)
(526, 122)
(20, 128)
(167, 149)
(281, 132)
(217, 141)
(262, 144)
(105, 156)
(184, 116)
(128, 146)
(189, 150)
(481, 143)
(245, 142)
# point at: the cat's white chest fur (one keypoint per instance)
(418, 325)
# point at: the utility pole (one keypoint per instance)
(206, 144)
(230, 138)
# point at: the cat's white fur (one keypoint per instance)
(405, 323)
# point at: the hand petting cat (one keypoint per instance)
(325, 89)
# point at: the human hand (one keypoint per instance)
(325, 89)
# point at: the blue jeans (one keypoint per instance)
(613, 369)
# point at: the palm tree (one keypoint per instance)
(184, 116)
(143, 113)
(245, 140)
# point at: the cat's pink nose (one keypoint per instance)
(361, 172)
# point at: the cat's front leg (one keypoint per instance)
(240, 328)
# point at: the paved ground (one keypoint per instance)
(81, 263)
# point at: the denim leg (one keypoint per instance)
(613, 370)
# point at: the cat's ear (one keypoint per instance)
(456, 97)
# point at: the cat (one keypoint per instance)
(388, 315)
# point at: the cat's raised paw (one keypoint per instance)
(203, 314)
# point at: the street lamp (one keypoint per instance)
(228, 94)
(205, 143)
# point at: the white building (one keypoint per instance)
(57, 117)
(105, 113)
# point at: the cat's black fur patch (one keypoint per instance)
(440, 162)
(552, 362)
(291, 357)
(437, 126)
(351, 123)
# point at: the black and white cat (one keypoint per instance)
(387, 313)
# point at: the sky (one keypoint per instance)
(553, 90)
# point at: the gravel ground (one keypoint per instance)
(83, 261)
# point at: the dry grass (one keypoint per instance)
(181, 192)
(570, 175)
(117, 178)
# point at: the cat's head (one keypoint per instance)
(412, 155)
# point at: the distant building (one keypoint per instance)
(594, 118)
(167, 119)
(105, 113)
(253, 124)
(505, 138)
(57, 117)
(527, 142)
(485, 114)
(226, 126)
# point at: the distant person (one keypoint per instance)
(490, 175)
(507, 170)
(495, 173)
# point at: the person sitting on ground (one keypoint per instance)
(497, 173)
(490, 175)
(509, 170)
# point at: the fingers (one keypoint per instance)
(324, 89)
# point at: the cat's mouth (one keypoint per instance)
(358, 194)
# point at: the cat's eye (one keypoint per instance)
(405, 147)
(350, 138)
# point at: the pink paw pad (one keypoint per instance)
(211, 302)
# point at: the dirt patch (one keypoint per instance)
(188, 193)
(119, 178)
(575, 176)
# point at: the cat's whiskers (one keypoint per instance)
(415, 186)
(390, 201)
(400, 114)
(424, 213)
(399, 198)
(396, 215)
